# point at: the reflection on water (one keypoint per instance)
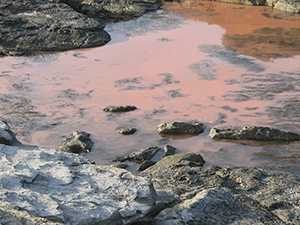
(172, 67)
(260, 32)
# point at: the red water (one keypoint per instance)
(92, 76)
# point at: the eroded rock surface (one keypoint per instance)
(78, 142)
(52, 187)
(28, 27)
(180, 128)
(254, 134)
(214, 195)
(141, 160)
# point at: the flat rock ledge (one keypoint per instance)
(39, 187)
(47, 186)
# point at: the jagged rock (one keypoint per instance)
(32, 26)
(141, 160)
(127, 131)
(120, 109)
(52, 187)
(7, 136)
(180, 128)
(267, 197)
(78, 142)
(114, 9)
(217, 206)
(254, 134)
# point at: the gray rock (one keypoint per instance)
(214, 195)
(7, 136)
(114, 9)
(254, 133)
(29, 27)
(180, 128)
(52, 187)
(141, 160)
(218, 206)
(127, 131)
(78, 142)
(120, 109)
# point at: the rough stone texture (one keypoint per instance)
(292, 6)
(254, 133)
(127, 131)
(120, 109)
(78, 142)
(224, 195)
(7, 136)
(180, 128)
(114, 9)
(141, 160)
(32, 26)
(245, 2)
(57, 187)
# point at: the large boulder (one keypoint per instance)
(29, 27)
(215, 195)
(77, 142)
(53, 187)
(254, 134)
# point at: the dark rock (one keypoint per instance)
(120, 109)
(141, 160)
(7, 136)
(127, 131)
(254, 134)
(78, 142)
(180, 128)
(29, 27)
(114, 9)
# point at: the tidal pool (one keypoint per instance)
(224, 65)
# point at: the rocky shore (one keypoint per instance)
(155, 186)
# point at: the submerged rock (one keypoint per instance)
(7, 136)
(78, 142)
(29, 27)
(120, 109)
(141, 160)
(180, 128)
(127, 131)
(51, 187)
(254, 134)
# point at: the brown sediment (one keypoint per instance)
(260, 32)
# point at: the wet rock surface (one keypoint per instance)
(114, 9)
(28, 27)
(52, 187)
(7, 136)
(78, 142)
(120, 109)
(31, 27)
(180, 128)
(255, 134)
(141, 160)
(127, 131)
